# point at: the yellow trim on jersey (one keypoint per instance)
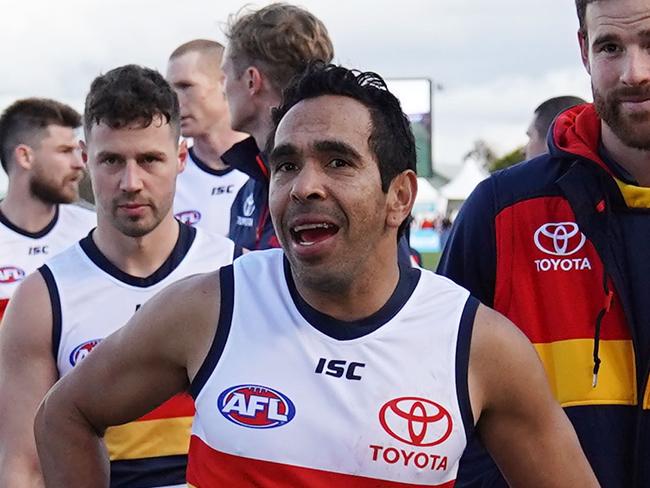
(646, 396)
(569, 366)
(634, 196)
(149, 438)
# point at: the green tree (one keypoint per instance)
(482, 153)
(513, 157)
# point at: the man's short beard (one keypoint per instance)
(135, 230)
(48, 193)
(629, 129)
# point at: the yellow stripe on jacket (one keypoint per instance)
(569, 366)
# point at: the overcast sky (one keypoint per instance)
(496, 60)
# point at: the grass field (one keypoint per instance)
(430, 260)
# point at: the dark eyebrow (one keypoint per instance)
(108, 154)
(322, 146)
(330, 146)
(606, 38)
(155, 154)
(283, 151)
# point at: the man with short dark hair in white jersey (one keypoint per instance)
(347, 367)
(207, 188)
(39, 151)
(61, 313)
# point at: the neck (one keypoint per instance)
(25, 211)
(209, 147)
(137, 256)
(260, 132)
(261, 127)
(635, 161)
(355, 299)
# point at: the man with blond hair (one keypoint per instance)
(207, 188)
(266, 49)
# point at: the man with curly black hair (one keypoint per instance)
(349, 368)
(63, 311)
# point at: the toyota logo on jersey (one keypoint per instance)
(11, 274)
(416, 421)
(82, 350)
(189, 217)
(559, 239)
(256, 407)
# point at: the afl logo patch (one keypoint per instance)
(189, 217)
(11, 274)
(82, 350)
(256, 407)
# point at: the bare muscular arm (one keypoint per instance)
(128, 374)
(520, 423)
(27, 371)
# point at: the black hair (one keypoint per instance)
(551, 108)
(391, 139)
(131, 94)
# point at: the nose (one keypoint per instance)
(77, 160)
(131, 180)
(308, 184)
(636, 70)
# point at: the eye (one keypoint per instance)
(338, 163)
(150, 159)
(109, 160)
(286, 167)
(610, 48)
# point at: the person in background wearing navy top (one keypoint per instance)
(559, 245)
(266, 49)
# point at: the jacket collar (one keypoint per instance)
(576, 132)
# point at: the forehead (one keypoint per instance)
(58, 134)
(188, 64)
(617, 16)
(55, 135)
(531, 131)
(326, 117)
(133, 139)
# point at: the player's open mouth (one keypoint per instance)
(310, 234)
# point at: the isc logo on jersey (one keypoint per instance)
(189, 217)
(82, 350)
(257, 407)
(11, 274)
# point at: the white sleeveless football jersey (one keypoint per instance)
(289, 397)
(204, 195)
(91, 298)
(22, 252)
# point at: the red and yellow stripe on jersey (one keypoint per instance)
(156, 443)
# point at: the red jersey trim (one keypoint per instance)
(208, 467)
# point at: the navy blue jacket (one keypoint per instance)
(559, 245)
